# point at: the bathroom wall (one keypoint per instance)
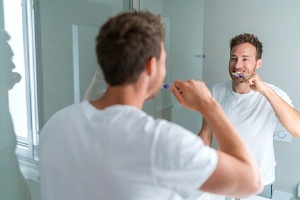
(186, 44)
(276, 23)
(184, 49)
(56, 56)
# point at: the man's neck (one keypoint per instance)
(241, 88)
(120, 95)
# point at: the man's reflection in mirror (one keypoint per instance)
(12, 182)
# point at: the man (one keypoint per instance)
(110, 149)
(253, 106)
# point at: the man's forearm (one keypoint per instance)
(286, 114)
(206, 133)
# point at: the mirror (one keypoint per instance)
(197, 44)
(276, 25)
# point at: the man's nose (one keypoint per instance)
(238, 64)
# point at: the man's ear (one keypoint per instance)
(258, 63)
(151, 66)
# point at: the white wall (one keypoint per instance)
(276, 23)
(186, 43)
(55, 55)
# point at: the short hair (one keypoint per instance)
(248, 38)
(125, 43)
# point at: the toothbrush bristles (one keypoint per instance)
(165, 86)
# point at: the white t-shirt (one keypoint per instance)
(120, 153)
(255, 120)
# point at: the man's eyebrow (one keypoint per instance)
(244, 56)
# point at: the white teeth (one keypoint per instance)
(238, 74)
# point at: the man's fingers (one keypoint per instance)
(177, 94)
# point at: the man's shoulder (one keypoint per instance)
(281, 93)
(278, 90)
(274, 87)
(64, 114)
(68, 109)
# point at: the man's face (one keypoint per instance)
(243, 59)
(161, 64)
(160, 72)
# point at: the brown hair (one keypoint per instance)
(125, 43)
(248, 38)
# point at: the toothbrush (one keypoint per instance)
(165, 86)
(238, 74)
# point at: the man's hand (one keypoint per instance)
(191, 94)
(255, 82)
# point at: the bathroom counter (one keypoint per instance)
(198, 195)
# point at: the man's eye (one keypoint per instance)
(245, 59)
(233, 59)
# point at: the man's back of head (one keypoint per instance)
(125, 43)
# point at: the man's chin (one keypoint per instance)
(237, 80)
(152, 96)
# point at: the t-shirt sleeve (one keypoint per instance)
(282, 94)
(180, 160)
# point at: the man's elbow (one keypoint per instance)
(250, 190)
(256, 185)
(295, 131)
(252, 183)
